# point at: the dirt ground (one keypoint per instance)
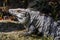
(11, 31)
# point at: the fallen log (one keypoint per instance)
(7, 21)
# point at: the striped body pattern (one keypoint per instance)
(43, 23)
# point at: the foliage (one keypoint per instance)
(46, 6)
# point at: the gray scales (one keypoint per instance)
(44, 24)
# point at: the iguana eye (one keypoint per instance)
(18, 11)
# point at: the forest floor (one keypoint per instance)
(7, 32)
